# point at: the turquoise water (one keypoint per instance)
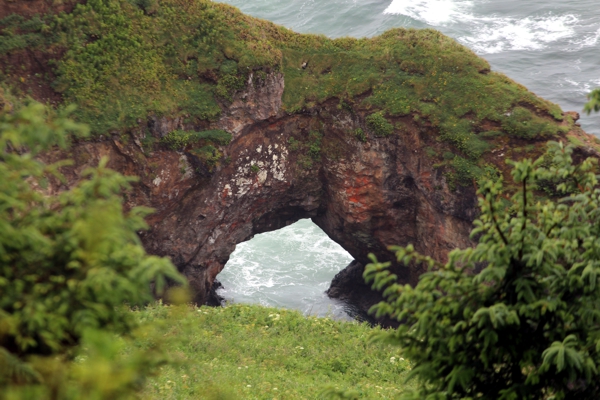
(549, 46)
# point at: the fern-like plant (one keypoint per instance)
(528, 325)
(70, 263)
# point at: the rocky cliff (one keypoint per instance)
(380, 142)
(280, 167)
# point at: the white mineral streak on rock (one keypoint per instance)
(189, 171)
(262, 176)
(215, 235)
(243, 185)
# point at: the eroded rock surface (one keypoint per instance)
(445, 117)
(365, 195)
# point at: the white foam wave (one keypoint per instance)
(492, 34)
(433, 12)
(589, 40)
(582, 87)
(291, 267)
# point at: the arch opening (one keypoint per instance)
(290, 268)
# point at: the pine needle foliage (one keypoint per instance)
(69, 262)
(528, 325)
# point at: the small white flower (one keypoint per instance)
(248, 385)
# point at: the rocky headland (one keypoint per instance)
(236, 126)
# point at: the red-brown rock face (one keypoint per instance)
(365, 196)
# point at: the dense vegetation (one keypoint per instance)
(525, 327)
(70, 263)
(71, 268)
(123, 60)
(528, 325)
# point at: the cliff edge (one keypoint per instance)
(237, 126)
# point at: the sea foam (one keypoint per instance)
(433, 12)
(488, 34)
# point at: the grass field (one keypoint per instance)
(253, 352)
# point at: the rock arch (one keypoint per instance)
(281, 168)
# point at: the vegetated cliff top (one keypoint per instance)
(123, 60)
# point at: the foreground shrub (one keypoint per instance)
(528, 325)
(69, 263)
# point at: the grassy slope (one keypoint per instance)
(252, 352)
(120, 62)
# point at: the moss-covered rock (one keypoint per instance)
(121, 61)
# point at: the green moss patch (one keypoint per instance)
(209, 154)
(524, 124)
(379, 125)
(179, 140)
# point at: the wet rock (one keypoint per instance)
(215, 299)
(349, 287)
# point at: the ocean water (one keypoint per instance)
(551, 47)
(291, 267)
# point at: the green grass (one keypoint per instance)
(253, 352)
(124, 60)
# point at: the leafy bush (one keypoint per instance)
(215, 135)
(594, 101)
(527, 325)
(379, 125)
(69, 263)
(178, 139)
